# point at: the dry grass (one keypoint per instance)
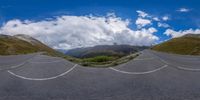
(181, 45)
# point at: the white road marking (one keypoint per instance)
(18, 65)
(187, 69)
(43, 79)
(143, 58)
(39, 62)
(179, 67)
(15, 66)
(138, 73)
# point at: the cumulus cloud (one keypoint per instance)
(142, 14)
(143, 19)
(156, 19)
(67, 32)
(173, 34)
(165, 18)
(141, 22)
(164, 25)
(183, 10)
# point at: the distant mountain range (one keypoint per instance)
(22, 44)
(188, 44)
(105, 50)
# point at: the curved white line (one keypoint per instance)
(187, 69)
(15, 66)
(52, 58)
(138, 73)
(18, 65)
(43, 79)
(45, 61)
(179, 67)
(144, 59)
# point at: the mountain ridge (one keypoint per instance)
(104, 50)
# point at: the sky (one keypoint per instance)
(68, 24)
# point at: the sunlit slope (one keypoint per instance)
(12, 45)
(185, 45)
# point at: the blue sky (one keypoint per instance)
(182, 15)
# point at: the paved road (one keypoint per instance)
(151, 76)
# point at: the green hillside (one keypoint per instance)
(12, 45)
(185, 45)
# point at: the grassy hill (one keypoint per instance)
(22, 44)
(185, 45)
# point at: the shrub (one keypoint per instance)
(99, 59)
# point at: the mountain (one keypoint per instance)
(61, 50)
(104, 50)
(192, 35)
(188, 44)
(22, 44)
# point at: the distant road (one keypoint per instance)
(151, 76)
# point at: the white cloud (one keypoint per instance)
(183, 10)
(156, 19)
(142, 14)
(66, 32)
(165, 18)
(140, 22)
(173, 34)
(164, 25)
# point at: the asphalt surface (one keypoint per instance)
(151, 76)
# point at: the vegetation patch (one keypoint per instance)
(186, 45)
(101, 61)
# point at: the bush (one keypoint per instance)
(85, 64)
(114, 64)
(99, 59)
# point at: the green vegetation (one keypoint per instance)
(186, 45)
(102, 61)
(99, 59)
